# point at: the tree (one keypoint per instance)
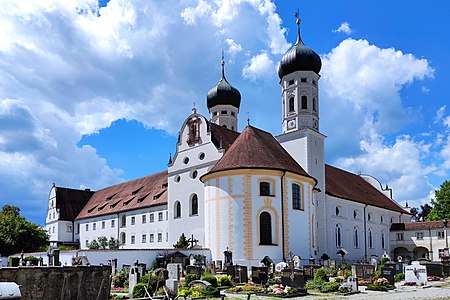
(102, 243)
(424, 212)
(113, 244)
(17, 234)
(441, 203)
(414, 211)
(182, 242)
(94, 245)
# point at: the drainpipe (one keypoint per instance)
(118, 237)
(282, 217)
(400, 218)
(431, 245)
(365, 235)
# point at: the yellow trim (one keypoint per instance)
(271, 181)
(285, 219)
(208, 220)
(276, 220)
(238, 172)
(217, 187)
(248, 229)
(302, 195)
(230, 214)
(310, 229)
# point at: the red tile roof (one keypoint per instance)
(417, 225)
(222, 137)
(135, 194)
(346, 185)
(70, 202)
(257, 149)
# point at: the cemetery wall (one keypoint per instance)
(69, 283)
(124, 257)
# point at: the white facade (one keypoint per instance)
(58, 230)
(225, 115)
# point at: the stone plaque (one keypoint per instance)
(310, 270)
(238, 273)
(389, 274)
(172, 284)
(174, 271)
(293, 277)
(260, 275)
(193, 270)
(363, 271)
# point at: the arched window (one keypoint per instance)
(338, 236)
(291, 104)
(265, 228)
(304, 102)
(124, 221)
(383, 245)
(177, 210)
(314, 104)
(296, 197)
(369, 217)
(192, 132)
(122, 238)
(264, 188)
(355, 237)
(194, 205)
(355, 214)
(370, 239)
(338, 211)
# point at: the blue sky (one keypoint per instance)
(95, 95)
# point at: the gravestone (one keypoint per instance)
(141, 268)
(416, 273)
(161, 272)
(260, 275)
(219, 265)
(293, 277)
(238, 273)
(193, 270)
(133, 279)
(174, 271)
(310, 270)
(434, 269)
(353, 282)
(389, 274)
(332, 263)
(268, 262)
(172, 284)
(297, 262)
(363, 271)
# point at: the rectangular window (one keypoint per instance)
(167, 215)
(103, 224)
(264, 188)
(160, 216)
(152, 238)
(303, 79)
(78, 228)
(223, 112)
(94, 226)
(87, 243)
(440, 235)
(399, 236)
(113, 223)
(296, 197)
(144, 238)
(159, 237)
(291, 82)
(133, 239)
(87, 227)
(69, 228)
(53, 229)
(152, 218)
(167, 236)
(144, 219)
(133, 220)
(419, 235)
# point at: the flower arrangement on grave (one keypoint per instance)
(278, 289)
(364, 282)
(381, 282)
(345, 289)
(410, 283)
(433, 278)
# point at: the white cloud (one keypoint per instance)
(258, 67)
(345, 28)
(191, 14)
(440, 114)
(233, 47)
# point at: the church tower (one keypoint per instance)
(223, 101)
(299, 78)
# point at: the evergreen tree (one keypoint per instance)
(182, 242)
(17, 234)
(441, 205)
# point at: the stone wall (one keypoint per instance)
(65, 283)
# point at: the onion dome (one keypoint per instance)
(299, 58)
(223, 93)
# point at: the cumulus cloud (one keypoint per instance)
(345, 28)
(258, 66)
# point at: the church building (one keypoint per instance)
(251, 192)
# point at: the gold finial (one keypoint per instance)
(298, 21)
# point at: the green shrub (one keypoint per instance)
(210, 291)
(312, 286)
(120, 279)
(189, 278)
(139, 290)
(225, 280)
(211, 279)
(329, 287)
(154, 284)
(320, 275)
(33, 259)
(377, 287)
(399, 277)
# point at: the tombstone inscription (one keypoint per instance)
(434, 269)
(310, 270)
(363, 271)
(174, 271)
(415, 273)
(260, 275)
(293, 277)
(389, 274)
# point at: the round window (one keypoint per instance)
(177, 178)
(194, 174)
(201, 156)
(186, 160)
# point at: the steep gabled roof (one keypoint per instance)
(135, 194)
(70, 202)
(257, 149)
(346, 185)
(222, 137)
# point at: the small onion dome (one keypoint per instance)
(223, 93)
(299, 58)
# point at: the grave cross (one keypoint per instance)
(192, 241)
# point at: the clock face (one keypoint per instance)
(291, 124)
